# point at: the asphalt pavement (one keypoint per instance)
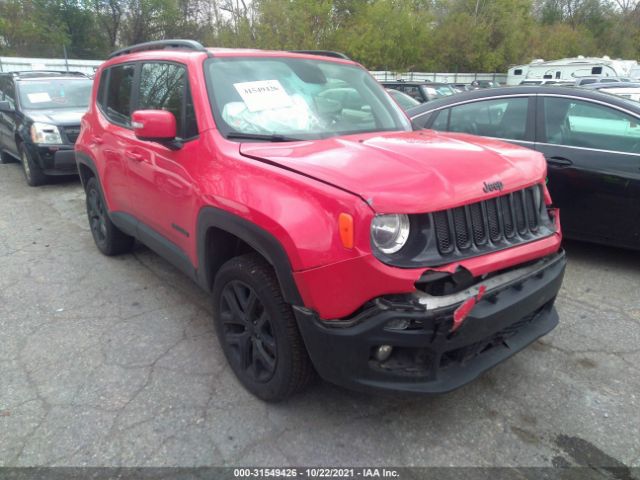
(113, 362)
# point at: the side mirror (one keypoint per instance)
(5, 106)
(154, 125)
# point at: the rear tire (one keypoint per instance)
(32, 171)
(258, 331)
(109, 239)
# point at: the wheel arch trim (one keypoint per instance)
(257, 238)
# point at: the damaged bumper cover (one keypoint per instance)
(429, 355)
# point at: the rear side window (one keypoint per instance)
(576, 123)
(118, 101)
(164, 86)
(102, 89)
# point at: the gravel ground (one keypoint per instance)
(113, 362)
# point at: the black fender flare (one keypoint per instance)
(259, 239)
(86, 160)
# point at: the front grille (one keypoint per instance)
(507, 220)
(72, 133)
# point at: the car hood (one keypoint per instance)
(57, 116)
(409, 172)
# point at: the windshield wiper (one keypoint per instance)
(261, 136)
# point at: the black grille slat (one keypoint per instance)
(477, 224)
(445, 243)
(507, 216)
(463, 241)
(533, 209)
(501, 221)
(495, 231)
(521, 221)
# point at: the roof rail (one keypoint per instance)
(28, 73)
(160, 45)
(323, 53)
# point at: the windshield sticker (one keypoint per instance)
(263, 95)
(39, 97)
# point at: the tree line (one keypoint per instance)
(398, 35)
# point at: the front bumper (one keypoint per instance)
(54, 159)
(427, 357)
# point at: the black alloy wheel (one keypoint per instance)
(108, 238)
(97, 216)
(248, 332)
(257, 329)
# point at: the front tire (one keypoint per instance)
(32, 171)
(258, 331)
(5, 158)
(109, 239)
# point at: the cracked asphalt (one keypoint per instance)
(113, 362)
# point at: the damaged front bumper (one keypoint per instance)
(427, 354)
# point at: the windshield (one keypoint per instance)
(404, 100)
(297, 98)
(54, 93)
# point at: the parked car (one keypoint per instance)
(384, 258)
(591, 141)
(582, 81)
(404, 100)
(630, 90)
(40, 120)
(421, 91)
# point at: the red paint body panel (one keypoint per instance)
(297, 191)
(410, 172)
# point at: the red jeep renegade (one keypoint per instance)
(331, 236)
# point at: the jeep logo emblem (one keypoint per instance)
(490, 187)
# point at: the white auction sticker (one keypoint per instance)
(39, 97)
(263, 95)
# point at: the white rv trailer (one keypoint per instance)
(569, 69)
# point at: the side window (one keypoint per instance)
(118, 102)
(7, 90)
(164, 86)
(3, 87)
(589, 125)
(441, 121)
(500, 118)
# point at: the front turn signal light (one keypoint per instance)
(345, 225)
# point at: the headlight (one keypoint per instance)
(389, 233)
(45, 133)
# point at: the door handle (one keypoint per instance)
(136, 157)
(559, 162)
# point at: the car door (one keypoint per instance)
(108, 141)
(161, 186)
(8, 119)
(593, 154)
(510, 118)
